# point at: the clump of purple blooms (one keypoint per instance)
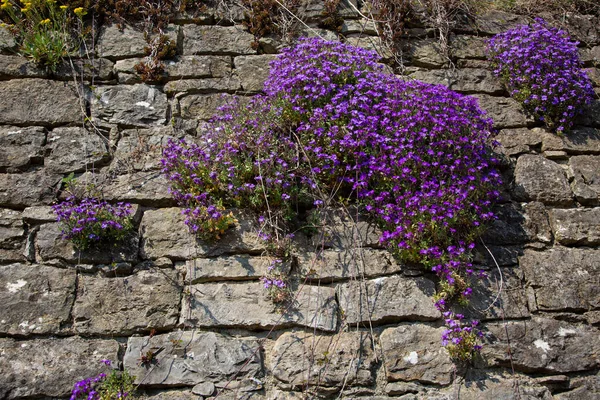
(334, 126)
(541, 69)
(114, 385)
(89, 221)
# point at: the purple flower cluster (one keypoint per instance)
(333, 125)
(461, 337)
(87, 388)
(115, 385)
(89, 220)
(540, 66)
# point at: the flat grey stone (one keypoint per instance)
(340, 230)
(75, 149)
(229, 40)
(39, 214)
(414, 352)
(362, 26)
(182, 67)
(334, 265)
(576, 226)
(209, 85)
(540, 179)
(21, 146)
(467, 46)
(50, 367)
(388, 299)
(542, 345)
(518, 141)
(246, 305)
(493, 22)
(138, 105)
(35, 299)
(125, 305)
(427, 53)
(39, 102)
(505, 112)
(193, 357)
(238, 267)
(147, 188)
(325, 363)
(201, 106)
(27, 189)
(14, 66)
(586, 178)
(7, 40)
(115, 43)
(577, 141)
(97, 69)
(253, 71)
(12, 231)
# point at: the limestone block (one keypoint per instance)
(21, 146)
(75, 149)
(539, 179)
(505, 112)
(209, 85)
(221, 40)
(586, 178)
(253, 71)
(27, 189)
(576, 226)
(138, 105)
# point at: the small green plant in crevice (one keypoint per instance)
(114, 385)
(45, 31)
(88, 221)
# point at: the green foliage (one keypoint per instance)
(116, 385)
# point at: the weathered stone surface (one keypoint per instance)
(342, 232)
(493, 22)
(35, 299)
(518, 141)
(148, 188)
(50, 245)
(542, 345)
(563, 278)
(190, 358)
(370, 43)
(203, 106)
(28, 189)
(576, 226)
(584, 388)
(473, 80)
(19, 67)
(115, 43)
(537, 224)
(39, 102)
(466, 46)
(183, 67)
(327, 362)
(518, 225)
(388, 299)
(415, 353)
(21, 146)
(50, 367)
(122, 306)
(586, 178)
(166, 235)
(99, 69)
(130, 106)
(239, 267)
(253, 71)
(246, 305)
(7, 40)
(362, 26)
(578, 141)
(590, 55)
(12, 231)
(505, 112)
(331, 265)
(194, 86)
(75, 149)
(583, 28)
(230, 40)
(427, 53)
(539, 179)
(502, 388)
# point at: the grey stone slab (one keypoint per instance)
(427, 53)
(542, 345)
(35, 299)
(388, 299)
(201, 106)
(414, 353)
(74, 150)
(39, 102)
(190, 358)
(14, 66)
(585, 171)
(543, 180)
(576, 226)
(221, 40)
(578, 141)
(325, 363)
(7, 40)
(505, 112)
(147, 188)
(27, 189)
(117, 42)
(467, 46)
(209, 85)
(50, 367)
(246, 305)
(124, 305)
(238, 267)
(12, 231)
(253, 71)
(21, 146)
(563, 278)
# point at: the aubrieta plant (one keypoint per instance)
(333, 129)
(541, 69)
(115, 385)
(90, 222)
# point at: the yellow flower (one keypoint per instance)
(51, 2)
(4, 6)
(45, 22)
(79, 11)
(63, 7)
(24, 10)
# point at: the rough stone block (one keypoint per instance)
(586, 178)
(39, 102)
(415, 353)
(39, 214)
(466, 46)
(50, 245)
(50, 367)
(223, 40)
(12, 231)
(35, 299)
(27, 189)
(21, 146)
(494, 22)
(147, 188)
(332, 265)
(138, 105)
(326, 363)
(388, 299)
(427, 53)
(75, 149)
(116, 43)
(122, 306)
(209, 85)
(542, 345)
(7, 40)
(98, 69)
(190, 358)
(253, 71)
(239, 267)
(182, 67)
(577, 141)
(341, 231)
(505, 112)
(563, 278)
(576, 226)
(246, 305)
(539, 179)
(361, 26)
(201, 106)
(19, 67)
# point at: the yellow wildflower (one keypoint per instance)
(79, 11)
(51, 2)
(4, 6)
(63, 7)
(24, 10)
(45, 21)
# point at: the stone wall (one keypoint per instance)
(363, 326)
